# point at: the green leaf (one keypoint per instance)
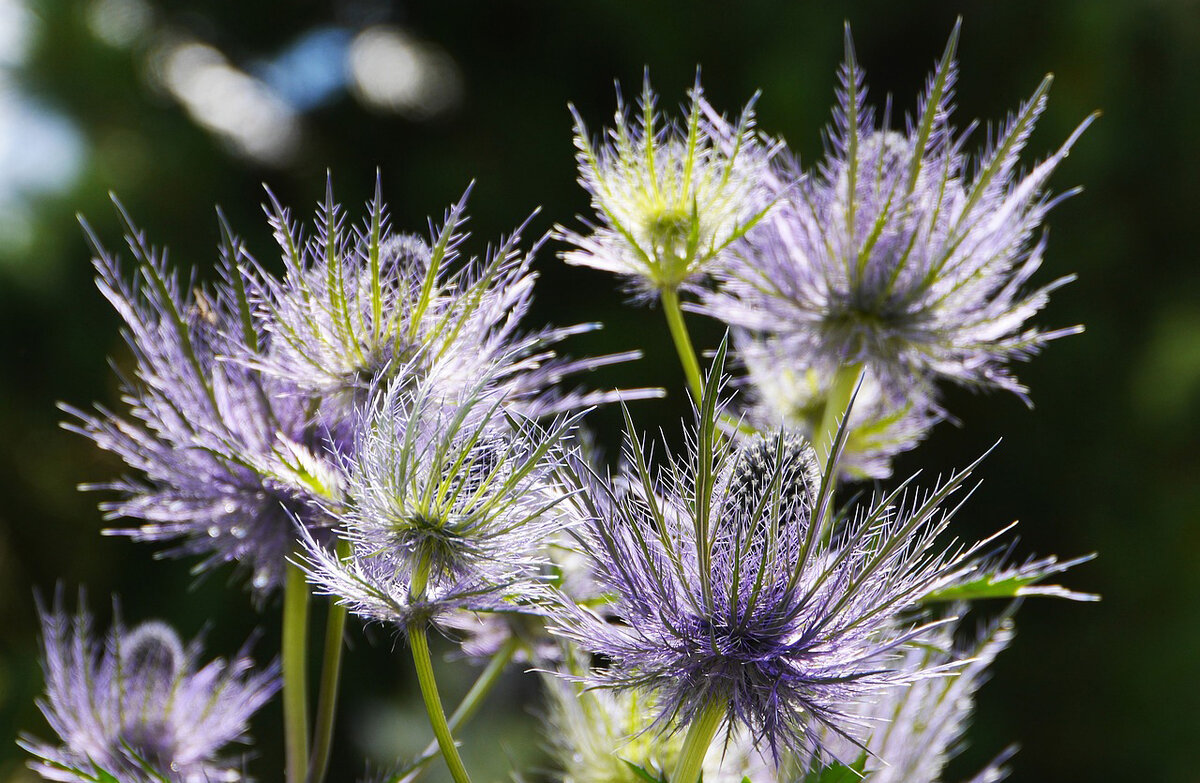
(643, 773)
(838, 772)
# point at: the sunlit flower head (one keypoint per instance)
(902, 252)
(448, 503)
(226, 457)
(138, 705)
(669, 199)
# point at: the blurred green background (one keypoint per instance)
(177, 106)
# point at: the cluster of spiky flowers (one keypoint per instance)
(374, 426)
(135, 706)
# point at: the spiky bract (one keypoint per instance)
(228, 458)
(137, 704)
(901, 252)
(669, 200)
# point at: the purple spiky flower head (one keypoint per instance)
(670, 199)
(228, 458)
(734, 589)
(449, 499)
(137, 704)
(901, 252)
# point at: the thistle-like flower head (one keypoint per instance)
(137, 704)
(357, 307)
(900, 252)
(669, 200)
(228, 458)
(448, 498)
(734, 589)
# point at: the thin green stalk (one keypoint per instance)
(295, 673)
(695, 745)
(331, 675)
(683, 343)
(836, 402)
(467, 708)
(419, 643)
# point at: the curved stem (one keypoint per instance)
(295, 665)
(466, 709)
(419, 642)
(331, 671)
(695, 745)
(683, 343)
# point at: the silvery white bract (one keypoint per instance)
(901, 252)
(137, 705)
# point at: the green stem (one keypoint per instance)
(419, 642)
(695, 745)
(295, 665)
(683, 343)
(466, 708)
(837, 400)
(331, 674)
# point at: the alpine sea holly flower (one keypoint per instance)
(901, 252)
(448, 498)
(358, 307)
(137, 705)
(229, 459)
(670, 200)
(738, 601)
(795, 398)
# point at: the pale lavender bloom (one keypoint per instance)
(914, 730)
(901, 252)
(227, 457)
(780, 394)
(733, 588)
(448, 501)
(670, 200)
(138, 705)
(359, 306)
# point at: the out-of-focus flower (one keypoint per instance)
(901, 253)
(230, 459)
(137, 705)
(669, 200)
(911, 732)
(596, 735)
(783, 395)
(449, 501)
